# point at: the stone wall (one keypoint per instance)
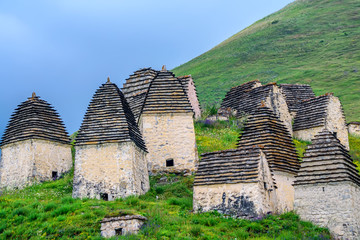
(193, 98)
(307, 134)
(246, 200)
(277, 102)
(335, 121)
(169, 136)
(29, 161)
(284, 191)
(331, 205)
(121, 225)
(354, 129)
(117, 169)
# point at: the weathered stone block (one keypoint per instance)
(123, 225)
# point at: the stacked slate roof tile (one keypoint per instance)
(166, 95)
(235, 95)
(35, 119)
(229, 167)
(326, 160)
(109, 119)
(295, 94)
(136, 87)
(185, 82)
(312, 113)
(264, 128)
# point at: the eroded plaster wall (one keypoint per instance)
(115, 169)
(331, 205)
(169, 136)
(284, 191)
(29, 161)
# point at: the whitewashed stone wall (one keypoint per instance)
(285, 191)
(335, 121)
(169, 136)
(30, 161)
(128, 225)
(277, 103)
(332, 205)
(354, 129)
(117, 169)
(307, 134)
(245, 200)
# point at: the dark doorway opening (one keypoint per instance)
(335, 134)
(54, 175)
(118, 231)
(104, 196)
(170, 162)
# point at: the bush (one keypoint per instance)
(195, 231)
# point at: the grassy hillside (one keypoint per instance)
(315, 42)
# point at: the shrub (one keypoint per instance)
(50, 206)
(195, 231)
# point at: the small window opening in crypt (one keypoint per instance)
(104, 196)
(54, 175)
(118, 231)
(170, 162)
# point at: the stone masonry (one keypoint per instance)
(110, 160)
(354, 128)
(166, 122)
(318, 113)
(123, 225)
(327, 188)
(190, 89)
(236, 182)
(35, 146)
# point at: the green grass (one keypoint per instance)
(311, 42)
(354, 142)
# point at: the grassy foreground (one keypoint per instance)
(47, 210)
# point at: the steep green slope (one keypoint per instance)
(314, 42)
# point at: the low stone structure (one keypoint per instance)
(35, 146)
(318, 113)
(190, 89)
(295, 94)
(235, 182)
(327, 188)
(265, 129)
(123, 225)
(246, 98)
(166, 122)
(354, 128)
(110, 160)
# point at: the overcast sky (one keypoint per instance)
(65, 49)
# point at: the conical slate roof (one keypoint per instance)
(109, 119)
(312, 113)
(326, 160)
(166, 95)
(229, 167)
(264, 128)
(136, 87)
(235, 95)
(295, 94)
(35, 119)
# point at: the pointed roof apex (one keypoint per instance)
(33, 95)
(262, 103)
(108, 80)
(163, 69)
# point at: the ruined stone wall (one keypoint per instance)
(354, 129)
(117, 169)
(169, 136)
(335, 121)
(277, 102)
(332, 205)
(131, 226)
(284, 191)
(29, 161)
